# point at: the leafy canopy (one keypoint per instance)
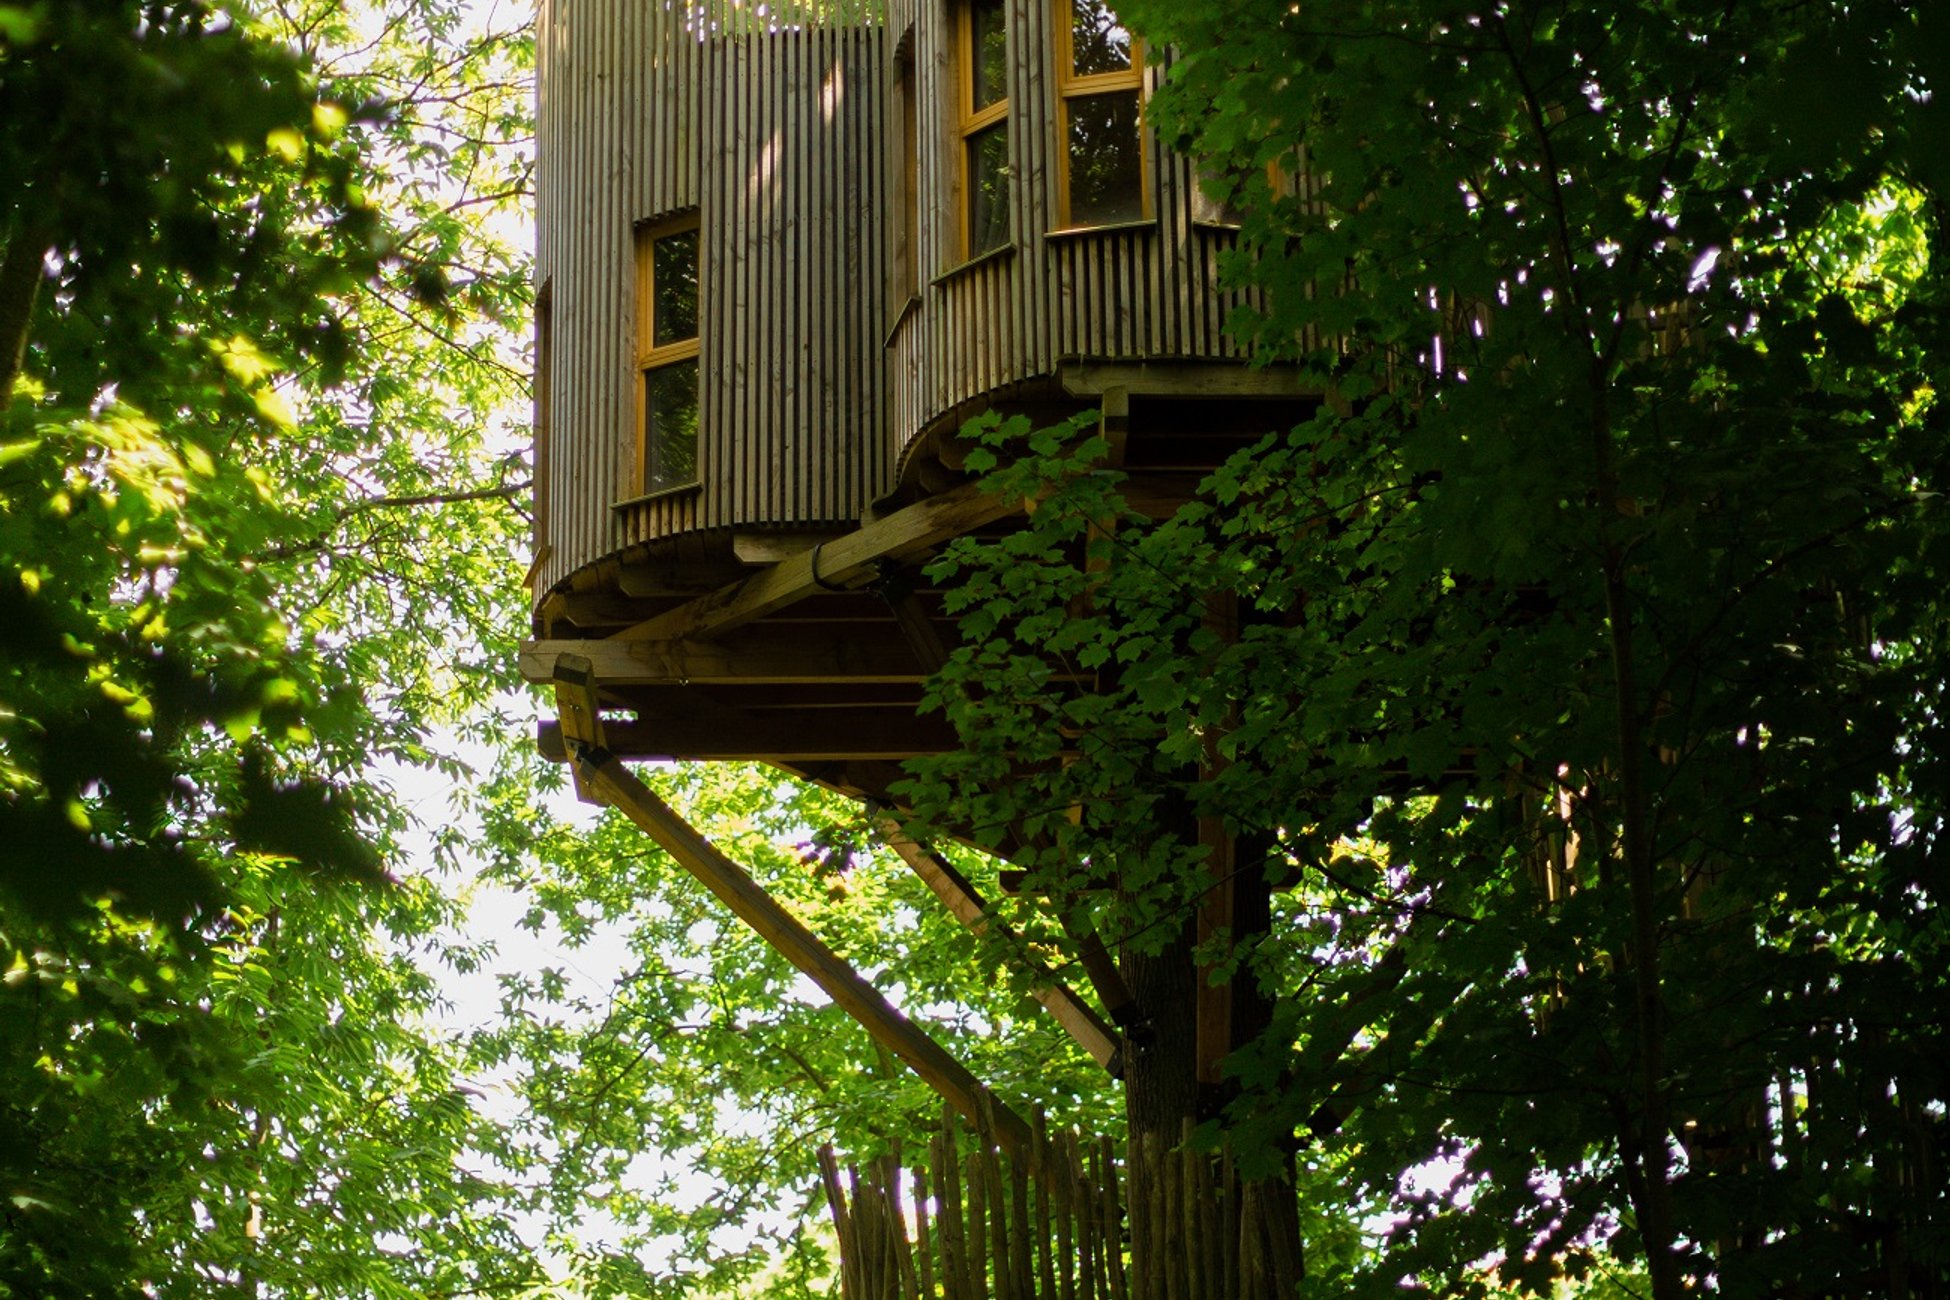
(1587, 685)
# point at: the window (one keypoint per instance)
(1099, 79)
(666, 447)
(982, 116)
(905, 283)
(543, 388)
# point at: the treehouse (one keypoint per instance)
(786, 252)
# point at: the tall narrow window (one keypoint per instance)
(982, 111)
(1099, 79)
(543, 388)
(667, 355)
(906, 282)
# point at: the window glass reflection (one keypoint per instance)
(989, 57)
(1098, 42)
(988, 189)
(1106, 160)
(673, 279)
(670, 426)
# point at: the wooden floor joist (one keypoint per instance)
(808, 736)
(608, 778)
(811, 654)
(1078, 1019)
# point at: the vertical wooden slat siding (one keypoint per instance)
(609, 152)
(776, 126)
(646, 109)
(794, 429)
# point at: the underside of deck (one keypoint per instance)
(809, 648)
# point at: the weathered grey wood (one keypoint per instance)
(640, 116)
(786, 933)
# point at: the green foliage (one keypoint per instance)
(692, 1091)
(249, 423)
(1592, 636)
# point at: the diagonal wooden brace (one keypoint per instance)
(1076, 1016)
(602, 774)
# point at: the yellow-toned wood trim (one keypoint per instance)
(904, 267)
(989, 116)
(648, 354)
(1098, 83)
(1107, 228)
(1071, 86)
(682, 350)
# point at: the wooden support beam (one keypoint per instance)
(582, 720)
(775, 544)
(1100, 968)
(856, 779)
(719, 733)
(1184, 379)
(809, 654)
(605, 774)
(960, 897)
(923, 637)
(655, 579)
(845, 562)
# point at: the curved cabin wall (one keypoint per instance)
(783, 128)
(1138, 291)
(765, 124)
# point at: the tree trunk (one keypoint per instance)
(20, 284)
(1163, 1098)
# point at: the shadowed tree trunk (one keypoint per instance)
(20, 284)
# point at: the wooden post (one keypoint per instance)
(575, 704)
(608, 778)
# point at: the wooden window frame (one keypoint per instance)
(969, 121)
(649, 355)
(1070, 86)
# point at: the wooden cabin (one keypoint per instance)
(786, 249)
